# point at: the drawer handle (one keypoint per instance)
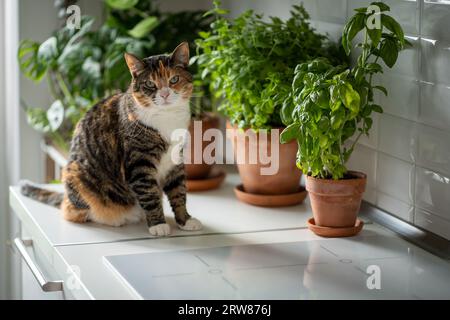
(47, 286)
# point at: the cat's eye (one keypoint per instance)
(174, 79)
(150, 84)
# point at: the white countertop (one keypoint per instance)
(77, 251)
(218, 210)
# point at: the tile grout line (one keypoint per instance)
(419, 7)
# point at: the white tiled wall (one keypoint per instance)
(407, 156)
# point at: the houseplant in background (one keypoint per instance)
(83, 66)
(250, 63)
(332, 108)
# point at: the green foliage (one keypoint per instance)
(84, 66)
(122, 4)
(333, 105)
(250, 62)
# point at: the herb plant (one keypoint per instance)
(332, 105)
(250, 62)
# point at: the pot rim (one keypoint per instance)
(357, 175)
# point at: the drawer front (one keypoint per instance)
(36, 269)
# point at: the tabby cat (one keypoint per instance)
(122, 158)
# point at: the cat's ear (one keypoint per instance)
(180, 56)
(135, 65)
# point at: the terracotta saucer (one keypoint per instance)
(213, 181)
(267, 200)
(329, 232)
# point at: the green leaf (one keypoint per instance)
(324, 124)
(323, 141)
(393, 26)
(374, 67)
(32, 67)
(389, 52)
(367, 124)
(286, 110)
(204, 34)
(37, 119)
(375, 36)
(350, 98)
(361, 10)
(91, 68)
(290, 133)
(48, 50)
(144, 27)
(377, 108)
(122, 4)
(337, 119)
(356, 24)
(382, 89)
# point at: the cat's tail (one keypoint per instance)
(49, 197)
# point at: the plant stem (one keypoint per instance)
(51, 87)
(140, 13)
(65, 90)
(356, 140)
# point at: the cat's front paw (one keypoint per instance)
(191, 225)
(160, 230)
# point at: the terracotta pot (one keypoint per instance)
(336, 203)
(200, 170)
(284, 181)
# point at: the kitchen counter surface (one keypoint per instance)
(326, 268)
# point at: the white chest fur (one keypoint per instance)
(171, 122)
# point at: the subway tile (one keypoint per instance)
(435, 59)
(435, 20)
(331, 11)
(364, 159)
(396, 137)
(370, 195)
(332, 30)
(433, 192)
(395, 178)
(433, 148)
(407, 13)
(265, 7)
(394, 206)
(435, 105)
(431, 222)
(403, 95)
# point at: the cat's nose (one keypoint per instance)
(164, 93)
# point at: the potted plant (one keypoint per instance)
(331, 109)
(199, 171)
(250, 63)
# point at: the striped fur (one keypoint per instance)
(115, 153)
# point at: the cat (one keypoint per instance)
(122, 158)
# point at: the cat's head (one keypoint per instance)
(161, 81)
